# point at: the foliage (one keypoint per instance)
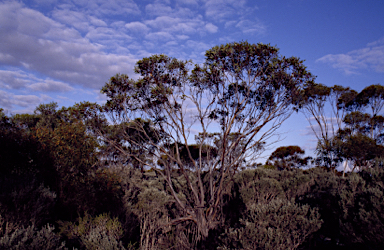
(23, 158)
(270, 218)
(31, 204)
(278, 224)
(30, 238)
(288, 157)
(362, 219)
(175, 167)
(94, 233)
(347, 132)
(240, 97)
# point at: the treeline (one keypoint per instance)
(348, 124)
(175, 164)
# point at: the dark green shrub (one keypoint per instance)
(100, 232)
(28, 238)
(279, 224)
(362, 206)
(322, 194)
(31, 204)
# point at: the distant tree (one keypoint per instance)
(371, 97)
(324, 109)
(242, 89)
(288, 157)
(355, 144)
(345, 122)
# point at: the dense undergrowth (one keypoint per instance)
(262, 209)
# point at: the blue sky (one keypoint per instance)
(65, 51)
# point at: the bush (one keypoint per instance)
(280, 224)
(100, 232)
(361, 203)
(30, 204)
(30, 238)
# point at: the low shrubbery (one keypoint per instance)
(263, 209)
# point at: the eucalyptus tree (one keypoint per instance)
(287, 157)
(324, 109)
(232, 103)
(344, 129)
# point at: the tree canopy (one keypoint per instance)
(241, 93)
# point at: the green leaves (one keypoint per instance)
(288, 157)
(240, 90)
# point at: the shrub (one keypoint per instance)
(30, 204)
(280, 224)
(361, 203)
(100, 232)
(30, 238)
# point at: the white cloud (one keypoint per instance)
(158, 9)
(190, 2)
(50, 86)
(66, 44)
(19, 80)
(371, 57)
(163, 22)
(13, 79)
(211, 28)
(221, 10)
(231, 23)
(137, 27)
(247, 26)
(38, 43)
(182, 28)
(102, 7)
(97, 22)
(182, 37)
(76, 19)
(105, 35)
(159, 36)
(198, 49)
(9, 100)
(45, 2)
(171, 44)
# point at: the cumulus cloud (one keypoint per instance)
(247, 26)
(51, 46)
(36, 42)
(50, 86)
(182, 28)
(76, 19)
(102, 7)
(163, 22)
(8, 101)
(189, 2)
(211, 28)
(137, 27)
(159, 36)
(165, 9)
(182, 37)
(370, 57)
(14, 79)
(19, 80)
(220, 10)
(105, 36)
(158, 9)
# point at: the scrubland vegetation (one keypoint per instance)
(170, 161)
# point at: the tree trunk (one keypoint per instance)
(202, 223)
